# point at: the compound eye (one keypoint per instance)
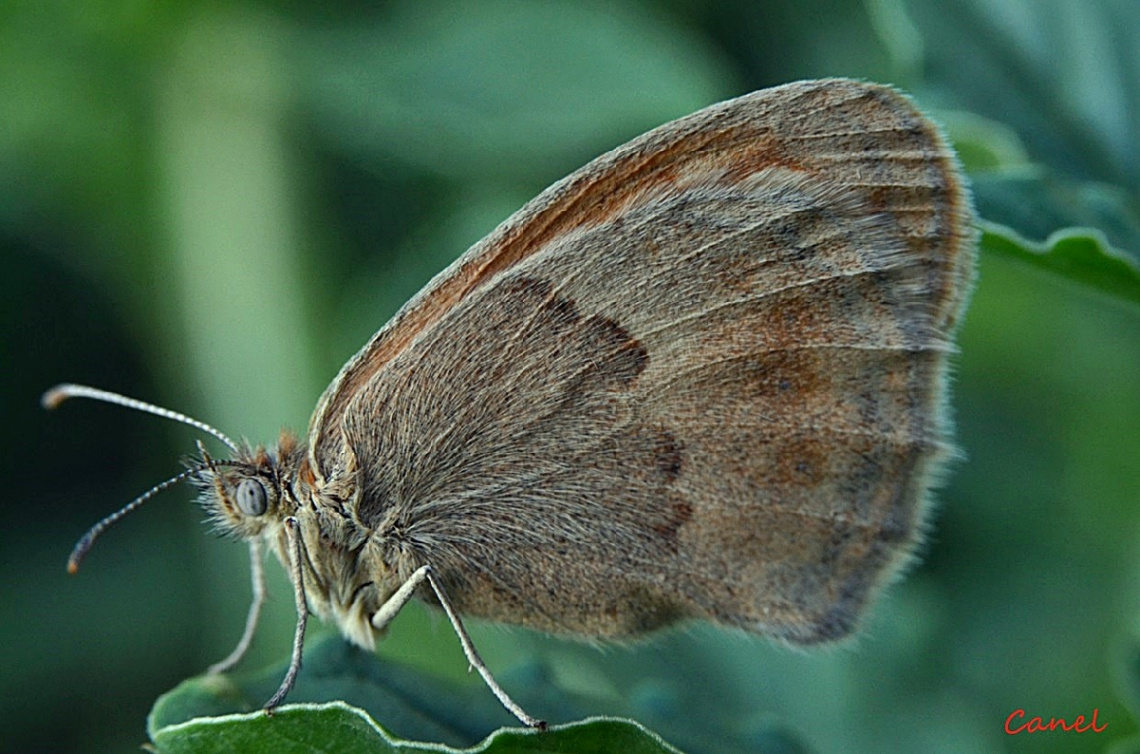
(251, 497)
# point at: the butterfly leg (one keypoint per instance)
(294, 537)
(257, 571)
(394, 604)
(400, 598)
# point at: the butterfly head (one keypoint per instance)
(249, 493)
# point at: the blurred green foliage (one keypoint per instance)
(213, 205)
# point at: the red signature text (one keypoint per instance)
(1038, 725)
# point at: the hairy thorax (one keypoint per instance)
(346, 566)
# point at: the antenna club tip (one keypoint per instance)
(72, 567)
(55, 396)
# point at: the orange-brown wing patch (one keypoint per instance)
(804, 127)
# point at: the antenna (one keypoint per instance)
(60, 393)
(84, 544)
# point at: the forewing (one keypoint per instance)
(702, 376)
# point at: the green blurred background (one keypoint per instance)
(213, 205)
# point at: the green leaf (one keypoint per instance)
(223, 713)
(1081, 255)
(1063, 76)
(1064, 73)
(295, 728)
(338, 727)
(411, 703)
(1037, 202)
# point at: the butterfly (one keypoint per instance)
(704, 377)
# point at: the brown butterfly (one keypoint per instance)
(703, 377)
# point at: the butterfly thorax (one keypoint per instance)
(248, 495)
(345, 575)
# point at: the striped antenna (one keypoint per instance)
(79, 552)
(61, 393)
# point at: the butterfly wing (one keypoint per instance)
(703, 376)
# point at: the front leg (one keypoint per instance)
(257, 572)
